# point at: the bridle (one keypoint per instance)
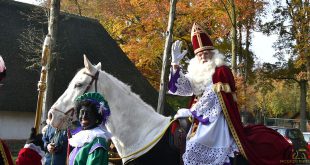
(94, 78)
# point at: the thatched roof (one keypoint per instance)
(77, 36)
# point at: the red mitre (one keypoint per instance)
(200, 39)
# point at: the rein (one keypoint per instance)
(94, 78)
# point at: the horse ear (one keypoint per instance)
(98, 66)
(88, 65)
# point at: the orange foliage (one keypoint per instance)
(139, 26)
(245, 94)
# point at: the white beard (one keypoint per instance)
(201, 74)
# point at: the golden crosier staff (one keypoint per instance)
(42, 82)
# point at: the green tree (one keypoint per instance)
(291, 23)
(139, 27)
(289, 72)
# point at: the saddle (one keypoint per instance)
(178, 132)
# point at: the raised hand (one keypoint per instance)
(176, 54)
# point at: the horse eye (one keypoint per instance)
(78, 85)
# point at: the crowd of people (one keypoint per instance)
(215, 137)
(88, 143)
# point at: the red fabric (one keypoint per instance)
(5, 153)
(200, 39)
(205, 41)
(262, 145)
(68, 146)
(174, 126)
(192, 101)
(27, 156)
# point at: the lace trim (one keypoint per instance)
(87, 136)
(198, 154)
(183, 85)
(208, 106)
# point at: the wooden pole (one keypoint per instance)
(52, 62)
(167, 51)
(42, 82)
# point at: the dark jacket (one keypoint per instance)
(61, 142)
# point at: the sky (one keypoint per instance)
(262, 47)
(29, 1)
(261, 44)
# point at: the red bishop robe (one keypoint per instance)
(258, 144)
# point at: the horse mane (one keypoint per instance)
(133, 123)
(127, 90)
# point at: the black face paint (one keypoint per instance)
(88, 117)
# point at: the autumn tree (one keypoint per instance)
(289, 72)
(291, 23)
(263, 86)
(246, 25)
(242, 22)
(139, 28)
(276, 106)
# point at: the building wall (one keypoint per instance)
(16, 125)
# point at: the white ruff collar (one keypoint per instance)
(35, 148)
(86, 136)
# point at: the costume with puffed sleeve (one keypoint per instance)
(209, 140)
(90, 147)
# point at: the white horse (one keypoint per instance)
(135, 126)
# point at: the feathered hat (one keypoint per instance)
(101, 104)
(200, 39)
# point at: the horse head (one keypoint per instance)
(134, 124)
(62, 111)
